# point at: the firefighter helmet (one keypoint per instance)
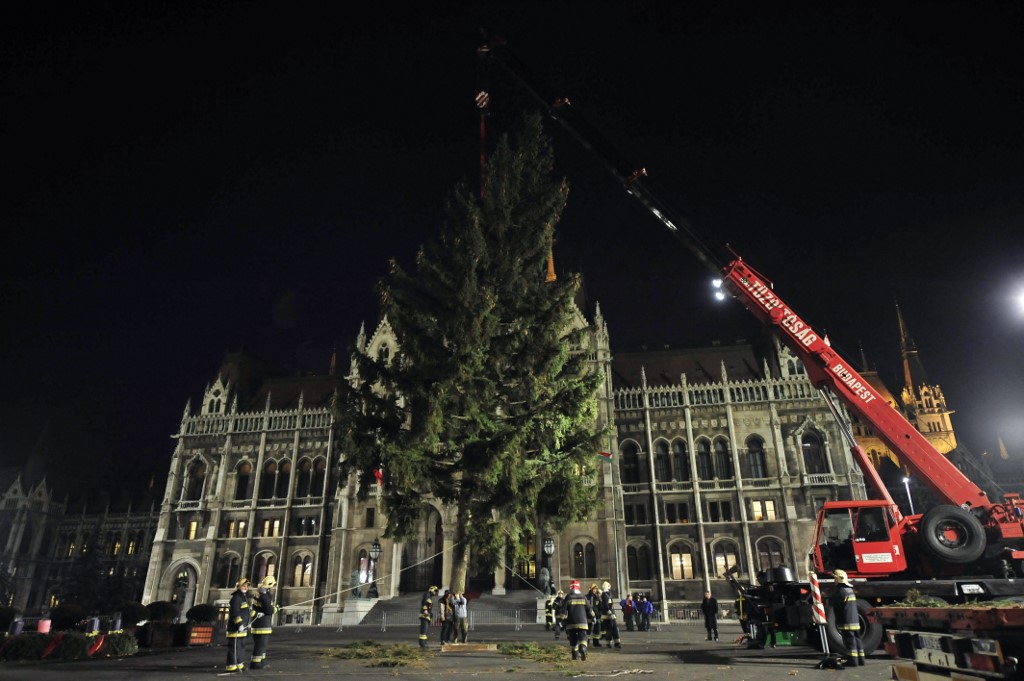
(606, 586)
(268, 582)
(243, 582)
(841, 577)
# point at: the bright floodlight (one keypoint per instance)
(719, 295)
(717, 283)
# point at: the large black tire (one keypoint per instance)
(952, 534)
(870, 631)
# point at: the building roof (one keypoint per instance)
(742, 361)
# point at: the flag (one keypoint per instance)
(1003, 454)
(607, 456)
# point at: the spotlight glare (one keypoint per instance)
(717, 283)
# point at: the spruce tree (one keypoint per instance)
(490, 405)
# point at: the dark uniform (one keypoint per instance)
(594, 600)
(549, 613)
(425, 607)
(844, 604)
(263, 619)
(709, 606)
(609, 623)
(239, 619)
(559, 607)
(578, 616)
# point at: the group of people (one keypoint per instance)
(250, 613)
(584, 617)
(453, 611)
(637, 611)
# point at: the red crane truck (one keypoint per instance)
(967, 548)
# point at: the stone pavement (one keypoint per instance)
(675, 653)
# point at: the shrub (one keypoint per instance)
(121, 645)
(202, 613)
(132, 612)
(162, 611)
(7, 615)
(75, 646)
(25, 647)
(67, 617)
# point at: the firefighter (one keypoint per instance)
(609, 625)
(426, 605)
(844, 604)
(559, 607)
(263, 618)
(578, 616)
(239, 620)
(594, 599)
(549, 613)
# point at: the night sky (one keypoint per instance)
(185, 179)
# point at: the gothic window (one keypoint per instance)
(384, 354)
(680, 460)
(230, 570)
(755, 455)
(269, 480)
(769, 554)
(305, 481)
(319, 477)
(591, 557)
(763, 509)
(681, 561)
(196, 478)
(302, 570)
(364, 566)
(265, 565)
(723, 460)
(629, 464)
(662, 470)
(283, 476)
(814, 457)
(638, 560)
(243, 473)
(704, 469)
(726, 555)
(584, 560)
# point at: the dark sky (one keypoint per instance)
(184, 179)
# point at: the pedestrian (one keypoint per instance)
(460, 618)
(628, 611)
(559, 606)
(578, 615)
(709, 606)
(447, 628)
(844, 604)
(549, 613)
(239, 620)
(594, 597)
(426, 605)
(646, 609)
(263, 619)
(609, 623)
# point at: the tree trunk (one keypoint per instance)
(460, 551)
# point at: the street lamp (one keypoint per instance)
(910, 499)
(549, 548)
(374, 555)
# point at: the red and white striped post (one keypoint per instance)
(818, 607)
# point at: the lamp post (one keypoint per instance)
(549, 548)
(910, 499)
(374, 555)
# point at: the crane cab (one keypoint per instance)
(861, 537)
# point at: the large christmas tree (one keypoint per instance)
(490, 404)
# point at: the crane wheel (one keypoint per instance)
(952, 534)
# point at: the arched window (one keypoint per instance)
(755, 455)
(196, 478)
(265, 565)
(384, 354)
(319, 477)
(229, 571)
(364, 566)
(629, 464)
(723, 460)
(283, 476)
(680, 460)
(638, 562)
(814, 457)
(243, 474)
(584, 560)
(769, 553)
(302, 570)
(726, 555)
(269, 480)
(704, 469)
(681, 561)
(305, 479)
(662, 470)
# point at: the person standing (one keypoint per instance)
(239, 620)
(594, 598)
(460, 618)
(709, 606)
(447, 628)
(559, 606)
(609, 623)
(844, 604)
(646, 609)
(426, 605)
(628, 610)
(263, 618)
(578, 615)
(549, 613)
